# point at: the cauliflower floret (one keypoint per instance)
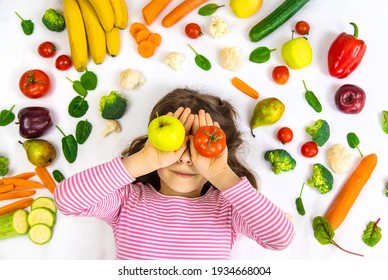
(131, 79)
(110, 127)
(340, 159)
(230, 58)
(174, 60)
(218, 27)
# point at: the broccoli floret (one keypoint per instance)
(280, 160)
(322, 178)
(320, 132)
(4, 162)
(113, 106)
(53, 20)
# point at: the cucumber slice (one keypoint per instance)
(40, 234)
(13, 224)
(41, 215)
(44, 202)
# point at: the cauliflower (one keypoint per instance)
(174, 60)
(218, 27)
(340, 159)
(110, 127)
(230, 58)
(131, 79)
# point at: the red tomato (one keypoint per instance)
(193, 30)
(63, 62)
(47, 49)
(285, 135)
(302, 27)
(209, 141)
(280, 74)
(34, 83)
(309, 149)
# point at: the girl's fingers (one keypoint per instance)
(178, 112)
(188, 124)
(204, 118)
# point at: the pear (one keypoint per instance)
(39, 152)
(267, 111)
(245, 8)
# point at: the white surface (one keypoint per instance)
(89, 238)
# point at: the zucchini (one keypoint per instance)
(275, 19)
(13, 224)
(41, 215)
(44, 202)
(40, 234)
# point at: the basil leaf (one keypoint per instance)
(6, 117)
(69, 148)
(78, 87)
(260, 55)
(384, 122)
(82, 132)
(323, 231)
(209, 9)
(89, 80)
(58, 176)
(353, 141)
(372, 234)
(312, 100)
(78, 107)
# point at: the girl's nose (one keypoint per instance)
(185, 157)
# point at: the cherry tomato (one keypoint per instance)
(193, 30)
(47, 49)
(285, 135)
(63, 62)
(302, 27)
(34, 83)
(309, 149)
(209, 141)
(280, 74)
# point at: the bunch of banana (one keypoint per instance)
(94, 26)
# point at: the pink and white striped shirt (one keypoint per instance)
(150, 225)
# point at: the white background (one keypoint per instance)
(89, 238)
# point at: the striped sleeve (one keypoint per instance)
(97, 191)
(256, 217)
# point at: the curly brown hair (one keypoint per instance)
(220, 110)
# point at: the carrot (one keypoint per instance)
(153, 9)
(136, 27)
(142, 35)
(25, 175)
(345, 199)
(23, 183)
(146, 49)
(155, 39)
(17, 194)
(181, 11)
(46, 178)
(19, 204)
(245, 88)
(6, 188)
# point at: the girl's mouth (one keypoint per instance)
(183, 174)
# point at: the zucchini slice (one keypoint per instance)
(40, 234)
(44, 202)
(41, 215)
(13, 224)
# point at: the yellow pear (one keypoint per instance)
(245, 8)
(267, 111)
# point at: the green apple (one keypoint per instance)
(166, 133)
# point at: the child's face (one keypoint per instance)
(181, 178)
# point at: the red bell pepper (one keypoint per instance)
(345, 54)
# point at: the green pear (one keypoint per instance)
(267, 111)
(39, 152)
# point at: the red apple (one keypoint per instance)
(350, 99)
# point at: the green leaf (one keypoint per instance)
(69, 146)
(78, 107)
(209, 9)
(201, 61)
(260, 55)
(299, 203)
(353, 141)
(372, 234)
(6, 116)
(89, 80)
(58, 176)
(312, 100)
(27, 25)
(384, 122)
(78, 87)
(82, 132)
(323, 231)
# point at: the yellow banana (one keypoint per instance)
(94, 32)
(121, 13)
(105, 13)
(113, 41)
(124, 11)
(76, 34)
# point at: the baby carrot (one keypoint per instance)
(345, 199)
(17, 194)
(245, 88)
(25, 175)
(19, 204)
(23, 183)
(153, 9)
(6, 188)
(181, 11)
(46, 178)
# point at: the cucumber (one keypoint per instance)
(41, 215)
(275, 19)
(13, 224)
(44, 202)
(40, 234)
